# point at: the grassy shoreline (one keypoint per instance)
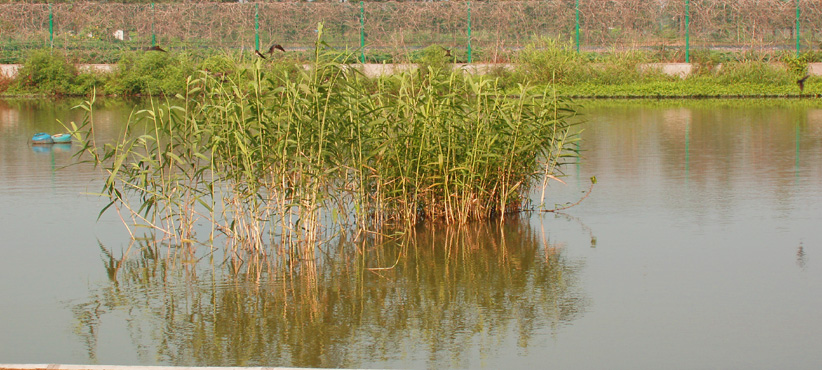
(548, 64)
(689, 88)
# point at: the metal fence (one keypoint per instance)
(480, 30)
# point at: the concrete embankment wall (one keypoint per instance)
(674, 69)
(372, 70)
(10, 70)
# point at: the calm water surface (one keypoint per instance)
(700, 247)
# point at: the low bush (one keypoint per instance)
(150, 73)
(49, 73)
(751, 72)
(5, 82)
(435, 57)
(45, 73)
(549, 60)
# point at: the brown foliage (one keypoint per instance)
(396, 26)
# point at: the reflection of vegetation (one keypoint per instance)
(800, 257)
(455, 290)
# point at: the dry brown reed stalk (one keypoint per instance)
(24, 19)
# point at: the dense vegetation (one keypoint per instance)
(280, 157)
(545, 63)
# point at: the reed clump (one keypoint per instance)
(282, 160)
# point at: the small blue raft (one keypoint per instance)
(61, 138)
(42, 138)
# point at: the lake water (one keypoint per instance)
(699, 247)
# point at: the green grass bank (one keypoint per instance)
(546, 63)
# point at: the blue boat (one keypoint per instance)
(61, 138)
(42, 138)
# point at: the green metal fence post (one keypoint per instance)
(687, 31)
(469, 32)
(257, 26)
(797, 28)
(362, 33)
(153, 37)
(51, 28)
(576, 7)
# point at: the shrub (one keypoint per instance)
(757, 72)
(87, 83)
(623, 68)
(5, 82)
(46, 73)
(151, 73)
(435, 56)
(220, 63)
(798, 65)
(550, 60)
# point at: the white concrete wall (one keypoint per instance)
(815, 69)
(98, 68)
(680, 70)
(9, 70)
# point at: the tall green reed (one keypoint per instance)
(457, 148)
(281, 161)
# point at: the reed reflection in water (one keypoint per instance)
(451, 293)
